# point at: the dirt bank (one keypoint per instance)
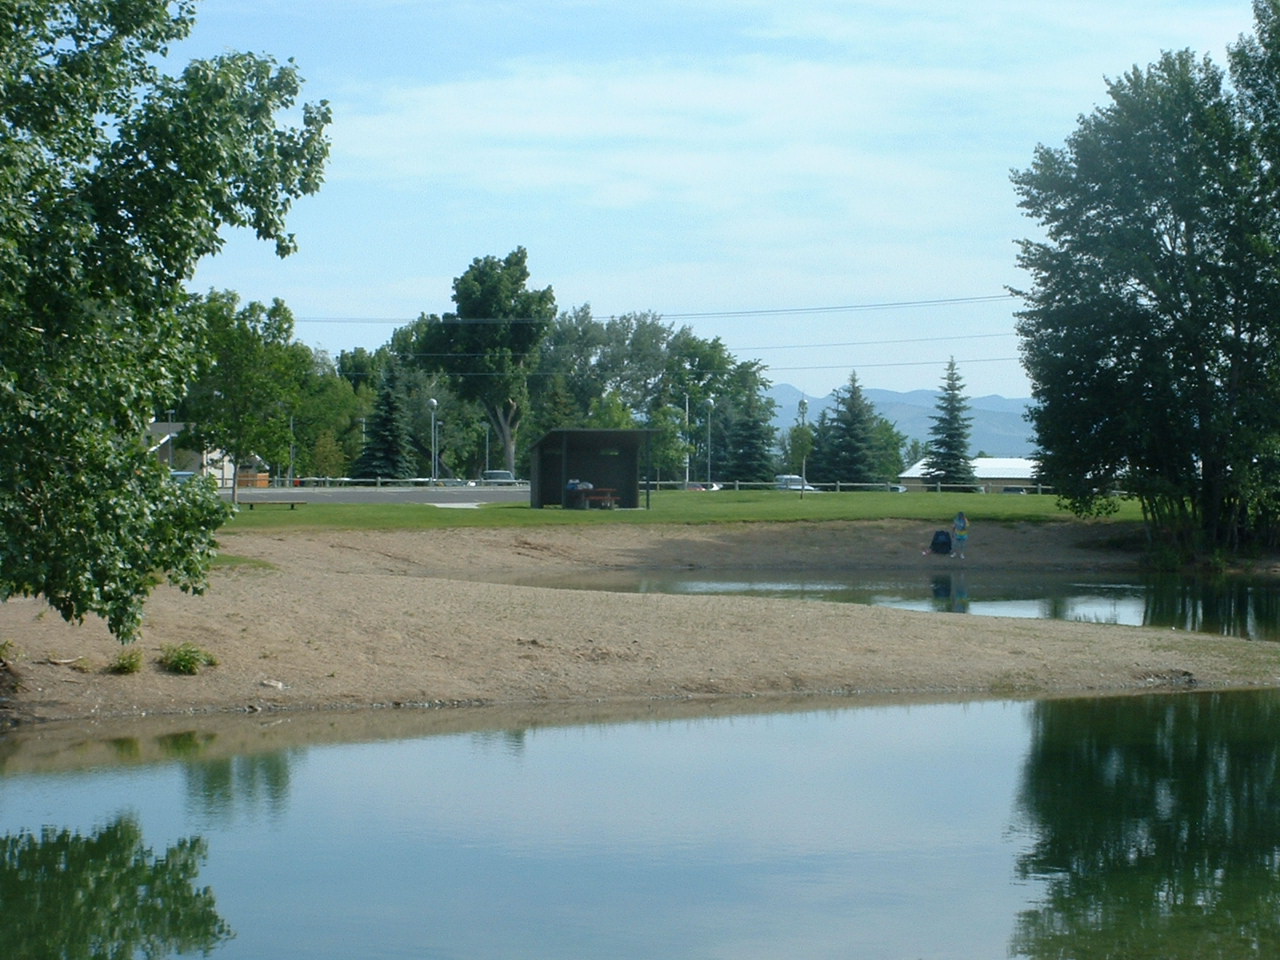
(331, 618)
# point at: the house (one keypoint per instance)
(162, 443)
(994, 475)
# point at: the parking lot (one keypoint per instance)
(442, 496)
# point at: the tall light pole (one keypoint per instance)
(688, 441)
(710, 406)
(433, 404)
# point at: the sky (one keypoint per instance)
(821, 184)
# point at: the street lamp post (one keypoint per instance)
(688, 441)
(710, 406)
(433, 404)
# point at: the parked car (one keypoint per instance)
(792, 481)
(499, 478)
(897, 488)
(1014, 490)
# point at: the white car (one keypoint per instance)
(499, 478)
(792, 481)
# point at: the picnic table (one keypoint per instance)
(604, 497)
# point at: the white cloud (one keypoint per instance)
(713, 155)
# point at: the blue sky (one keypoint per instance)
(768, 173)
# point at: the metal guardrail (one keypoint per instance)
(278, 483)
(846, 487)
(653, 485)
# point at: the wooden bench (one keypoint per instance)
(274, 503)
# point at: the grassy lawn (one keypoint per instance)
(676, 506)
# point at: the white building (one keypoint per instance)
(994, 475)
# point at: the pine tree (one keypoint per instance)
(751, 439)
(844, 443)
(388, 450)
(947, 460)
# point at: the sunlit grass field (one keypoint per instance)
(676, 506)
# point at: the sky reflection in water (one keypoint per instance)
(1229, 606)
(911, 831)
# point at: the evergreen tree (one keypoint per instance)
(948, 458)
(750, 438)
(844, 443)
(388, 448)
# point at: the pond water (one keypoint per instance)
(1135, 827)
(1230, 606)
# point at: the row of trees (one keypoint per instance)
(447, 393)
(1151, 332)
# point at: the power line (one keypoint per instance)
(788, 346)
(903, 363)
(847, 308)
(771, 369)
(879, 343)
(719, 314)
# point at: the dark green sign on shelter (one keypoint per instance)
(585, 468)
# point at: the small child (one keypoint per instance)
(959, 534)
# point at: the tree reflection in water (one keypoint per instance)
(1156, 827)
(69, 896)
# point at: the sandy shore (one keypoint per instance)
(323, 619)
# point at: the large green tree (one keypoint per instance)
(655, 369)
(797, 442)
(115, 179)
(328, 418)
(249, 386)
(947, 459)
(1152, 326)
(486, 350)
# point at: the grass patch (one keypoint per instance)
(128, 660)
(227, 561)
(678, 506)
(186, 658)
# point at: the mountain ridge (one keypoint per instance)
(999, 427)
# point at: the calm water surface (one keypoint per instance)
(1126, 827)
(1228, 606)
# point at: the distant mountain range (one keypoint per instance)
(999, 427)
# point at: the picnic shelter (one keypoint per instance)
(585, 467)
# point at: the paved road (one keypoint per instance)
(440, 495)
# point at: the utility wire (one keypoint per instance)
(787, 346)
(721, 314)
(770, 369)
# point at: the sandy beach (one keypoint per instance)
(310, 620)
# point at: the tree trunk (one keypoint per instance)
(507, 422)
